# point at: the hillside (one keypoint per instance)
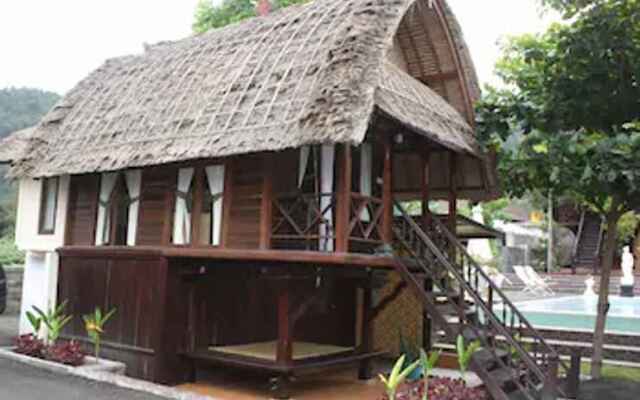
(19, 109)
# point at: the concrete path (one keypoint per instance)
(8, 329)
(609, 389)
(21, 382)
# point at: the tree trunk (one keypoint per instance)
(636, 249)
(612, 219)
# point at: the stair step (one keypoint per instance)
(504, 375)
(451, 310)
(470, 334)
(486, 358)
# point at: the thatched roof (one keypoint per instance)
(14, 146)
(304, 75)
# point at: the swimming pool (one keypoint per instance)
(579, 313)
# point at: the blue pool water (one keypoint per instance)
(579, 312)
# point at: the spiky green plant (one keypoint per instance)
(428, 363)
(35, 322)
(94, 324)
(465, 353)
(397, 376)
(54, 319)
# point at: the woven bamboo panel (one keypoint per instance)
(402, 315)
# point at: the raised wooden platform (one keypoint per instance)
(287, 256)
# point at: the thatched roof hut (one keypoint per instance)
(308, 74)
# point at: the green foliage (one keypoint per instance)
(35, 322)
(55, 320)
(94, 324)
(208, 16)
(627, 228)
(465, 353)
(427, 364)
(397, 376)
(9, 253)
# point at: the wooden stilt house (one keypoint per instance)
(239, 195)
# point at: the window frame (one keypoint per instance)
(44, 191)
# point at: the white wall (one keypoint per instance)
(41, 261)
(27, 236)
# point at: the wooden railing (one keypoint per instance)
(304, 221)
(441, 256)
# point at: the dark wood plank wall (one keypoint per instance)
(83, 208)
(133, 284)
(243, 230)
(157, 184)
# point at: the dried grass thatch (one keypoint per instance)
(14, 146)
(304, 75)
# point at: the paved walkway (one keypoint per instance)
(21, 382)
(610, 390)
(8, 329)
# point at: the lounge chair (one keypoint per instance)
(543, 282)
(531, 285)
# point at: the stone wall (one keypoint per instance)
(14, 286)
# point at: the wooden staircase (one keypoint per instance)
(588, 241)
(515, 362)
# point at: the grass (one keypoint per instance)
(615, 372)
(9, 253)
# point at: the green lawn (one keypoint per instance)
(615, 372)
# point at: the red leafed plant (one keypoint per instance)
(63, 352)
(29, 345)
(440, 389)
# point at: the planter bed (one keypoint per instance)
(90, 365)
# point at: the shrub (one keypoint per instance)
(440, 389)
(63, 352)
(29, 345)
(9, 253)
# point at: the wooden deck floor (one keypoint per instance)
(342, 385)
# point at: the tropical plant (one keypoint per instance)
(54, 319)
(566, 122)
(94, 324)
(427, 363)
(35, 322)
(465, 353)
(397, 376)
(209, 16)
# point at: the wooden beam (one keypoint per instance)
(266, 205)
(425, 172)
(226, 202)
(365, 370)
(169, 204)
(387, 192)
(439, 77)
(453, 193)
(198, 202)
(343, 206)
(285, 348)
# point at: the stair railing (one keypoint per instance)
(541, 357)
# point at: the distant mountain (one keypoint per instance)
(19, 108)
(23, 107)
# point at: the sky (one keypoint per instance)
(54, 44)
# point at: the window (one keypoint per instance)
(201, 190)
(48, 206)
(118, 208)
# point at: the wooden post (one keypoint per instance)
(198, 202)
(550, 386)
(365, 370)
(427, 327)
(453, 193)
(226, 202)
(387, 192)
(169, 204)
(284, 350)
(343, 208)
(573, 377)
(425, 157)
(266, 207)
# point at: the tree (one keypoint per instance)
(208, 16)
(567, 120)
